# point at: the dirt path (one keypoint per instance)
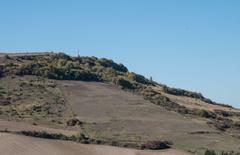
(22, 145)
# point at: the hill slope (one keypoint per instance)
(104, 101)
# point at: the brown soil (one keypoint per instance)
(21, 145)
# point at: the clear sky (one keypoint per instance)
(186, 44)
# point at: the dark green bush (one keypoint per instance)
(89, 61)
(44, 134)
(230, 153)
(52, 71)
(109, 63)
(155, 145)
(62, 56)
(7, 57)
(74, 122)
(181, 92)
(1, 72)
(25, 69)
(124, 83)
(210, 152)
(70, 74)
(204, 113)
(63, 67)
(223, 123)
(224, 113)
(82, 138)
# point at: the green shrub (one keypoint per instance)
(7, 57)
(61, 62)
(108, 74)
(204, 113)
(82, 138)
(43, 134)
(26, 69)
(52, 71)
(109, 63)
(210, 152)
(124, 83)
(63, 67)
(230, 153)
(159, 99)
(182, 92)
(1, 72)
(73, 122)
(62, 56)
(222, 123)
(138, 78)
(155, 145)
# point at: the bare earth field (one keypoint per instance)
(20, 145)
(123, 116)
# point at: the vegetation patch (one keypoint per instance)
(182, 92)
(4, 101)
(204, 113)
(212, 152)
(125, 84)
(73, 122)
(54, 72)
(221, 123)
(156, 145)
(111, 64)
(158, 99)
(44, 134)
(1, 71)
(138, 78)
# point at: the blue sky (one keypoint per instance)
(187, 44)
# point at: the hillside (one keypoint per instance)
(109, 105)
